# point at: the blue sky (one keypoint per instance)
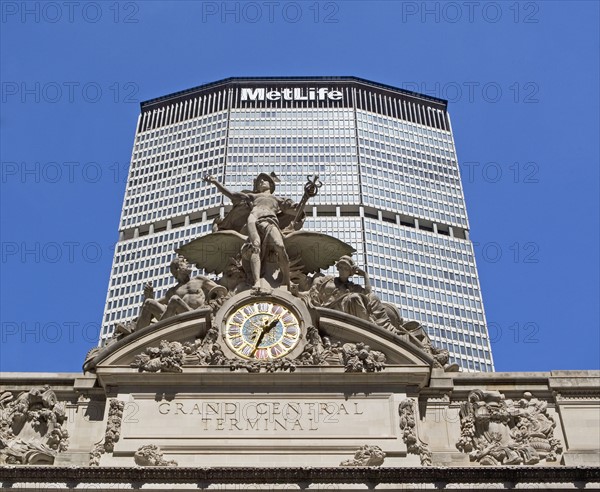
(522, 83)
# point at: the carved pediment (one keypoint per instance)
(183, 328)
(193, 340)
(399, 349)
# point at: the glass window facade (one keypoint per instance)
(391, 189)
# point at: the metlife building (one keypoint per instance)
(391, 189)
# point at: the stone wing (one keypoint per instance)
(213, 251)
(315, 251)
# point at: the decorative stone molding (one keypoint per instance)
(567, 475)
(496, 431)
(408, 424)
(275, 365)
(168, 357)
(366, 456)
(31, 427)
(151, 455)
(577, 395)
(444, 398)
(112, 434)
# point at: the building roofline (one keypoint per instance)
(231, 80)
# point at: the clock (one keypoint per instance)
(262, 330)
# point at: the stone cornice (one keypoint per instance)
(440, 475)
(393, 377)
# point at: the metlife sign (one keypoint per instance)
(291, 94)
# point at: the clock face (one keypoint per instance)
(262, 330)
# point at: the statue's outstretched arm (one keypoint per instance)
(234, 196)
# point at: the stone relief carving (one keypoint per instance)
(366, 456)
(355, 357)
(359, 357)
(496, 431)
(112, 433)
(151, 455)
(408, 424)
(319, 351)
(205, 351)
(168, 357)
(32, 427)
(441, 356)
(95, 454)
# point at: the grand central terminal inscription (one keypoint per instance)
(373, 417)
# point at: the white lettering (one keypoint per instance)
(253, 94)
(291, 94)
(298, 95)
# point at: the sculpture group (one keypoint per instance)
(259, 246)
(263, 279)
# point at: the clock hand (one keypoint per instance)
(257, 343)
(263, 331)
(255, 328)
(265, 328)
(273, 323)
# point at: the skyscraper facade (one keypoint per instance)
(391, 189)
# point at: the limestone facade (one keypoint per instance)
(407, 425)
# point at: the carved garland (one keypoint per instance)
(408, 424)
(112, 434)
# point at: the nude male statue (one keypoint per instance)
(262, 224)
(188, 294)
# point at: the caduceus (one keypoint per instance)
(311, 188)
